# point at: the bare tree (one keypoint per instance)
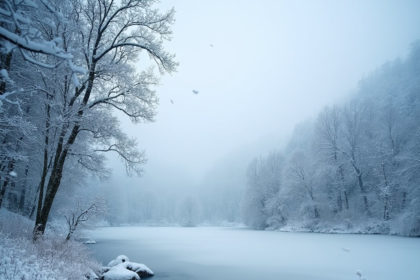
(82, 213)
(300, 171)
(355, 117)
(329, 128)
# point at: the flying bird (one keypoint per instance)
(195, 91)
(211, 45)
(172, 101)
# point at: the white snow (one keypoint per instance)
(235, 253)
(44, 46)
(49, 258)
(123, 262)
(118, 260)
(120, 272)
(138, 267)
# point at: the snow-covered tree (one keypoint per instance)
(264, 180)
(69, 71)
(110, 38)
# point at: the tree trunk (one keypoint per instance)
(22, 198)
(40, 195)
(5, 64)
(52, 189)
(362, 188)
(342, 189)
(61, 155)
(346, 200)
(316, 212)
(404, 200)
(386, 208)
(3, 190)
(339, 202)
(386, 196)
(12, 204)
(6, 181)
(44, 170)
(54, 183)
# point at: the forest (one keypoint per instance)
(354, 168)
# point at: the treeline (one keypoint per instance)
(214, 202)
(66, 67)
(355, 168)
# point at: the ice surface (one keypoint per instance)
(229, 253)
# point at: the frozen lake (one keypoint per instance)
(202, 253)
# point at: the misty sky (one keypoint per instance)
(260, 67)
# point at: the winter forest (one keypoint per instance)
(354, 168)
(208, 143)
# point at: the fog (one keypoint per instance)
(260, 68)
(225, 139)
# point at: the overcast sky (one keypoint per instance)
(260, 67)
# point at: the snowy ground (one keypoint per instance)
(50, 258)
(233, 253)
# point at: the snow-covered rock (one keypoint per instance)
(118, 260)
(120, 272)
(122, 269)
(141, 269)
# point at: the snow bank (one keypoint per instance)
(361, 226)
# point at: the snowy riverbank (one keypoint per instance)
(49, 258)
(52, 257)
